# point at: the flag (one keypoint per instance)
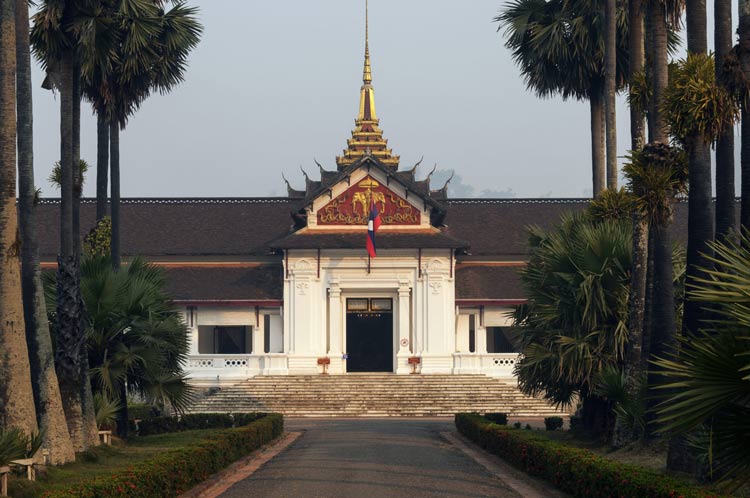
(373, 223)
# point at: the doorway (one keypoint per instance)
(369, 335)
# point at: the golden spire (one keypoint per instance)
(367, 73)
(367, 138)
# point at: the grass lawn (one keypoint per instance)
(104, 461)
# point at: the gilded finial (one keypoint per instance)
(367, 73)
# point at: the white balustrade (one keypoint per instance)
(493, 364)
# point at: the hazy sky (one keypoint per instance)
(273, 85)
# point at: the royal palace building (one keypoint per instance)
(282, 286)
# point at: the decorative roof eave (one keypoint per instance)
(369, 161)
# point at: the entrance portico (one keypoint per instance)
(323, 287)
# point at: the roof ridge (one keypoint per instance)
(181, 200)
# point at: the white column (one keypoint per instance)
(191, 318)
(480, 335)
(259, 346)
(335, 329)
(404, 330)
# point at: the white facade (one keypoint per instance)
(307, 334)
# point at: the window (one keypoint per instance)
(472, 334)
(224, 340)
(500, 340)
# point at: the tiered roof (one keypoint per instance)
(367, 137)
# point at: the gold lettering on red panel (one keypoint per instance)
(353, 206)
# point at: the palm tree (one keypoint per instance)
(706, 387)
(700, 202)
(657, 174)
(725, 204)
(60, 39)
(659, 65)
(744, 51)
(574, 324)
(610, 89)
(623, 431)
(136, 338)
(151, 55)
(560, 49)
(49, 409)
(16, 396)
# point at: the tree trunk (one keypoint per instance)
(623, 434)
(700, 227)
(663, 333)
(114, 152)
(648, 57)
(725, 209)
(77, 174)
(90, 429)
(744, 37)
(69, 341)
(69, 331)
(660, 76)
(610, 90)
(66, 156)
(122, 414)
(49, 409)
(16, 394)
(700, 205)
(597, 140)
(102, 165)
(637, 63)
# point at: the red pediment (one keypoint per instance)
(352, 207)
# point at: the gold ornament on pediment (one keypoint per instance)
(368, 183)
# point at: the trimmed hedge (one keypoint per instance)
(193, 421)
(173, 472)
(572, 470)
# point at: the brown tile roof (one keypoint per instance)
(226, 284)
(493, 228)
(356, 239)
(181, 227)
(488, 282)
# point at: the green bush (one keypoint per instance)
(572, 470)
(497, 418)
(173, 472)
(193, 421)
(553, 423)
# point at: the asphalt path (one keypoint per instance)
(370, 458)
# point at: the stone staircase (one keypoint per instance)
(375, 395)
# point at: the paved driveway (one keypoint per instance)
(370, 458)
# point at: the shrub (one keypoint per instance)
(497, 418)
(517, 425)
(553, 423)
(173, 472)
(572, 470)
(193, 421)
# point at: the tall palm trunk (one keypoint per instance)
(633, 372)
(77, 174)
(637, 65)
(610, 89)
(596, 101)
(69, 330)
(700, 205)
(725, 209)
(700, 221)
(663, 337)
(744, 37)
(659, 67)
(16, 394)
(114, 152)
(102, 165)
(49, 409)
